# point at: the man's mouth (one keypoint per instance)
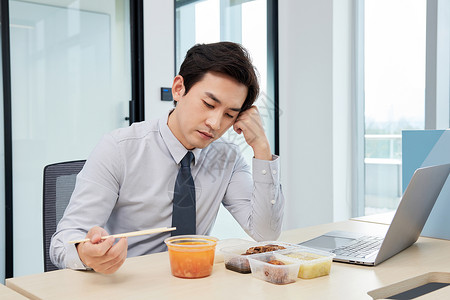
(206, 134)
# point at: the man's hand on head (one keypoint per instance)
(249, 123)
(102, 255)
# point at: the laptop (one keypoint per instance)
(406, 226)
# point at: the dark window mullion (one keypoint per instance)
(137, 60)
(272, 66)
(6, 70)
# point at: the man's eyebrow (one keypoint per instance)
(214, 98)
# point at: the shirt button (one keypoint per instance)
(274, 172)
(264, 172)
(272, 201)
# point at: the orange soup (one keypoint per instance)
(191, 259)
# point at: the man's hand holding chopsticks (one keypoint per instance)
(102, 255)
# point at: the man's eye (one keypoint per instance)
(208, 105)
(229, 116)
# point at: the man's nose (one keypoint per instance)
(213, 121)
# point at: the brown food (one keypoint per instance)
(238, 265)
(241, 265)
(276, 275)
(276, 262)
(262, 249)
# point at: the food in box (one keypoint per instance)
(274, 268)
(313, 263)
(235, 257)
(191, 256)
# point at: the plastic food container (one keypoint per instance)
(226, 243)
(313, 263)
(235, 258)
(274, 267)
(191, 256)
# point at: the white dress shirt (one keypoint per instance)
(127, 185)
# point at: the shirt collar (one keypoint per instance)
(176, 149)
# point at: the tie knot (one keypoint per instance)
(186, 161)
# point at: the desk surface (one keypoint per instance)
(383, 218)
(7, 293)
(149, 277)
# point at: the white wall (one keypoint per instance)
(315, 99)
(314, 45)
(159, 58)
(343, 64)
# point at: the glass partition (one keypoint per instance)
(243, 22)
(70, 84)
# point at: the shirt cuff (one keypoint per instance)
(266, 171)
(73, 261)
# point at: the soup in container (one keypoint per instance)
(191, 256)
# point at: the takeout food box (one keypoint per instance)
(226, 243)
(191, 256)
(235, 258)
(313, 263)
(274, 267)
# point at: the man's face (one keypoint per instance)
(207, 111)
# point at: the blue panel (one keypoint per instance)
(416, 145)
(426, 148)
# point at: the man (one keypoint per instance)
(127, 183)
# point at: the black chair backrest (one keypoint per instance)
(59, 183)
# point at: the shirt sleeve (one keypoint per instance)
(93, 199)
(255, 199)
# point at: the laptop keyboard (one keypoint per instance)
(361, 248)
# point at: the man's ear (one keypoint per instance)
(178, 88)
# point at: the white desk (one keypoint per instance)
(149, 277)
(7, 293)
(383, 218)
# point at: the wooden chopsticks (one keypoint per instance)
(129, 234)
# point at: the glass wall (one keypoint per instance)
(71, 84)
(244, 22)
(394, 85)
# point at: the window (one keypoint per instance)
(394, 92)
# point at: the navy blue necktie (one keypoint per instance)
(183, 215)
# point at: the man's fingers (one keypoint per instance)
(100, 248)
(250, 124)
(237, 129)
(102, 255)
(114, 258)
(96, 238)
(95, 234)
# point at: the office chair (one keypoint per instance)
(59, 183)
